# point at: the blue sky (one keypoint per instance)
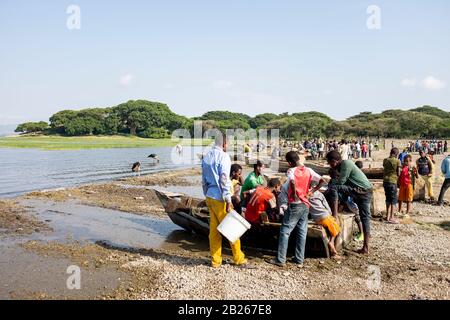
(246, 56)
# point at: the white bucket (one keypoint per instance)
(233, 226)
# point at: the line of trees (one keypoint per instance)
(155, 120)
(143, 118)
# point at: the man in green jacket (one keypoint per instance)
(351, 182)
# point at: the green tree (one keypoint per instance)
(32, 127)
(432, 111)
(139, 115)
(261, 120)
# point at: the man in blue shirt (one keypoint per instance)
(402, 155)
(216, 166)
(445, 168)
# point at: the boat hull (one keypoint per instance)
(193, 218)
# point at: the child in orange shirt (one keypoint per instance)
(263, 200)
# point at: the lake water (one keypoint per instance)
(25, 170)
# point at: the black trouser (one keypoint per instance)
(362, 198)
(444, 189)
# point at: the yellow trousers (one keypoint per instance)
(217, 212)
(429, 185)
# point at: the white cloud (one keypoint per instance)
(222, 84)
(126, 80)
(429, 83)
(432, 83)
(409, 82)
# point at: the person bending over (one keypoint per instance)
(263, 203)
(351, 182)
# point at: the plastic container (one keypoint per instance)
(233, 226)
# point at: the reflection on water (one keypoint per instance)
(74, 221)
(25, 170)
(121, 230)
(111, 228)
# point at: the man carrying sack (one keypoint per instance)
(216, 166)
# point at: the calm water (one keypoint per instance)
(25, 170)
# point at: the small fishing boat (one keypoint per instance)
(322, 169)
(192, 215)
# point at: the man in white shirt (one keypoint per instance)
(344, 150)
(358, 150)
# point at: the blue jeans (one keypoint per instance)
(295, 217)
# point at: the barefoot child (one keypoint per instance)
(320, 212)
(391, 172)
(407, 175)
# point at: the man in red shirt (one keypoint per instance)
(296, 217)
(261, 201)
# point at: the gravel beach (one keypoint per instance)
(410, 260)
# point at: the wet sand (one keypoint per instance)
(127, 248)
(30, 274)
(15, 221)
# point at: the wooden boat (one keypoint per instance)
(322, 169)
(192, 215)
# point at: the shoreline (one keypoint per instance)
(413, 258)
(63, 143)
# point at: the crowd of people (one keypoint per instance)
(291, 203)
(428, 146)
(299, 199)
(318, 148)
(400, 174)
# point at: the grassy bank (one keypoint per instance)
(90, 142)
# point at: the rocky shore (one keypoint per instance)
(407, 261)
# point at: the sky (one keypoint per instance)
(249, 56)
